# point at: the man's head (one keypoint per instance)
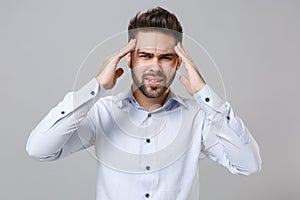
(154, 62)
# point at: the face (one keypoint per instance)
(153, 63)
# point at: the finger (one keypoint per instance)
(183, 52)
(180, 48)
(118, 55)
(184, 58)
(183, 80)
(180, 52)
(188, 61)
(129, 47)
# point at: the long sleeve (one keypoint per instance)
(57, 134)
(225, 138)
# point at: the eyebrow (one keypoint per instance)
(164, 54)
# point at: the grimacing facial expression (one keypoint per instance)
(153, 63)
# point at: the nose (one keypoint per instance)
(155, 60)
(155, 64)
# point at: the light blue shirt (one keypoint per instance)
(141, 154)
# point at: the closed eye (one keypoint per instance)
(145, 55)
(166, 58)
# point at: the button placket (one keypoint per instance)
(148, 140)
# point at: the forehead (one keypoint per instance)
(155, 41)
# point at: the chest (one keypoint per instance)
(143, 142)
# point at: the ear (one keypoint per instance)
(178, 63)
(128, 59)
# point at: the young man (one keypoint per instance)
(147, 139)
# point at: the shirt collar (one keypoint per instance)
(123, 98)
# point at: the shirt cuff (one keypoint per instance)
(72, 101)
(89, 91)
(209, 100)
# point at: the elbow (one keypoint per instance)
(251, 167)
(256, 164)
(34, 153)
(254, 168)
(37, 155)
(31, 151)
(38, 150)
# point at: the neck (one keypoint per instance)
(147, 103)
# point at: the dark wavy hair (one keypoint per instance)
(155, 19)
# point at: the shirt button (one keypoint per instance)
(148, 168)
(92, 92)
(207, 99)
(147, 195)
(228, 117)
(62, 112)
(149, 114)
(148, 140)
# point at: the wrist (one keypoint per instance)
(199, 87)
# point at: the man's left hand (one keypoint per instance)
(194, 82)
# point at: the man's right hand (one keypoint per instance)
(109, 72)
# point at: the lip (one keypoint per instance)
(153, 81)
(157, 79)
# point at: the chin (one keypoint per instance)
(153, 92)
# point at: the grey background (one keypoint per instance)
(255, 44)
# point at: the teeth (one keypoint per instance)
(153, 81)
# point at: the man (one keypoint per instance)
(148, 140)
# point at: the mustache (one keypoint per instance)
(152, 74)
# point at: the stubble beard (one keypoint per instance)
(152, 91)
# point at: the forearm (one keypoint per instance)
(245, 160)
(226, 140)
(235, 149)
(55, 129)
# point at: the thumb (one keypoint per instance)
(183, 80)
(186, 84)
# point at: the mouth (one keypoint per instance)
(153, 81)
